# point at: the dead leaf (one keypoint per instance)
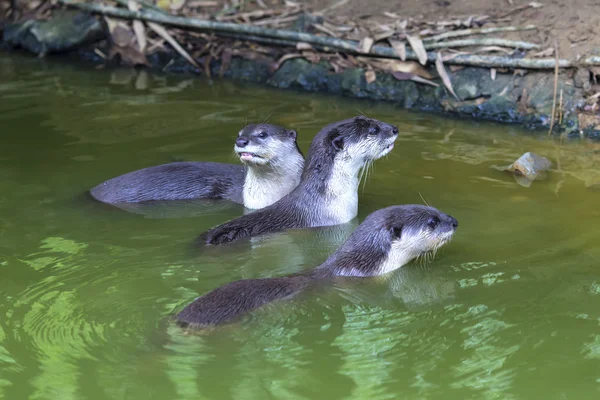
(588, 121)
(544, 53)
(391, 15)
(303, 46)
(365, 45)
(455, 68)
(423, 80)
(177, 4)
(383, 35)
(410, 67)
(406, 76)
(138, 26)
(370, 76)
(312, 56)
(162, 32)
(286, 57)
(331, 7)
(199, 4)
(417, 45)
(324, 29)
(493, 74)
(520, 72)
(399, 47)
(439, 66)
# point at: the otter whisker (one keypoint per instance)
(266, 120)
(424, 201)
(365, 171)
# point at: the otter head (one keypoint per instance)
(262, 144)
(360, 140)
(350, 144)
(391, 237)
(415, 231)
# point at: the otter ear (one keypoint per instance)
(292, 133)
(338, 143)
(396, 231)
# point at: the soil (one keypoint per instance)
(575, 23)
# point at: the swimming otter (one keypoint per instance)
(386, 240)
(273, 167)
(328, 191)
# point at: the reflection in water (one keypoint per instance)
(180, 208)
(86, 290)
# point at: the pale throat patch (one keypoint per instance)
(266, 184)
(402, 252)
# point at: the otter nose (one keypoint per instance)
(394, 130)
(453, 221)
(241, 142)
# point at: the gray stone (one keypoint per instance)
(66, 30)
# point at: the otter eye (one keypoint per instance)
(432, 222)
(397, 231)
(374, 130)
(262, 134)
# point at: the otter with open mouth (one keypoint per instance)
(328, 190)
(385, 241)
(272, 168)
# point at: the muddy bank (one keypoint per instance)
(523, 97)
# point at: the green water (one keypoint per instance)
(509, 310)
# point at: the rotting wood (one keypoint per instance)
(286, 37)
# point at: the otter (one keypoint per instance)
(386, 240)
(328, 190)
(273, 167)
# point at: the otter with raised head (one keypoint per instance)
(273, 167)
(386, 240)
(328, 190)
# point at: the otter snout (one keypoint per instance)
(241, 142)
(392, 130)
(453, 221)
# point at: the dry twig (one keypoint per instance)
(290, 38)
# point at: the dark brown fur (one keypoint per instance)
(360, 256)
(184, 180)
(300, 208)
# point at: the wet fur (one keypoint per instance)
(328, 191)
(210, 180)
(393, 235)
(175, 181)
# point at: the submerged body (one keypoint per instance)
(386, 240)
(328, 191)
(273, 167)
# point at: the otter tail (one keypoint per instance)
(237, 298)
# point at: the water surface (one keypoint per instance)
(509, 310)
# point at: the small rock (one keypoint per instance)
(66, 30)
(528, 168)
